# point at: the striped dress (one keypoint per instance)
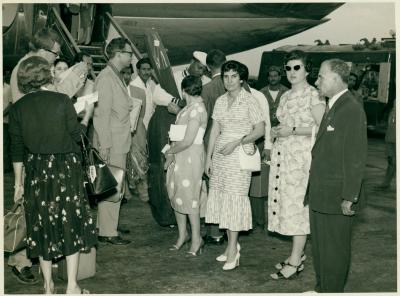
(228, 201)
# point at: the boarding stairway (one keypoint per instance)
(70, 48)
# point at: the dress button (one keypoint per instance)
(274, 200)
(278, 165)
(274, 213)
(279, 153)
(277, 176)
(276, 188)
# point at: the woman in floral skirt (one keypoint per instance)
(44, 133)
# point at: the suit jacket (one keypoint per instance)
(210, 93)
(111, 116)
(273, 105)
(338, 157)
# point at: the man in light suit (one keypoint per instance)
(337, 169)
(112, 129)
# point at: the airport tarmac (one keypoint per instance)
(147, 265)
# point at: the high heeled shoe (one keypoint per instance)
(223, 258)
(296, 271)
(199, 250)
(280, 265)
(177, 248)
(233, 264)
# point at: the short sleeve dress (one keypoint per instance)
(290, 165)
(184, 177)
(228, 201)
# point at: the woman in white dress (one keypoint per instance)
(237, 120)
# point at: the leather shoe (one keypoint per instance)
(114, 240)
(24, 276)
(213, 240)
(123, 230)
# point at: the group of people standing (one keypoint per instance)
(316, 153)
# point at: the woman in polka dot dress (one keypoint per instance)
(237, 120)
(300, 111)
(185, 164)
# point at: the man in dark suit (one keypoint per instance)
(210, 93)
(338, 162)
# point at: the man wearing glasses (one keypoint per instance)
(46, 44)
(112, 129)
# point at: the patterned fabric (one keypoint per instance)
(58, 217)
(184, 176)
(228, 202)
(290, 165)
(136, 161)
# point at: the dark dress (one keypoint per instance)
(44, 133)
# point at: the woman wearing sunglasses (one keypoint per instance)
(300, 112)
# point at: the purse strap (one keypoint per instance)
(86, 148)
(249, 154)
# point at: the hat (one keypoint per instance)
(201, 57)
(275, 68)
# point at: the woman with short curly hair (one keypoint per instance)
(44, 133)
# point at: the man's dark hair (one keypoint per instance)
(44, 39)
(116, 45)
(143, 61)
(215, 59)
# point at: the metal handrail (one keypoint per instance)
(66, 35)
(124, 35)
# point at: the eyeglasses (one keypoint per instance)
(128, 52)
(296, 68)
(53, 52)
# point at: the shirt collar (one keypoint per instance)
(118, 73)
(335, 98)
(215, 75)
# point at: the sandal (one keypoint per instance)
(85, 291)
(280, 265)
(296, 271)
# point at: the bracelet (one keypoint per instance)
(294, 131)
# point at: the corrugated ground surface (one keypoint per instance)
(147, 266)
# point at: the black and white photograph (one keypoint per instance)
(199, 148)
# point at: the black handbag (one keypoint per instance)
(99, 178)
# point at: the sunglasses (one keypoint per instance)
(296, 68)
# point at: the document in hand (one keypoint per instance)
(90, 99)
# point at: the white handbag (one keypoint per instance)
(249, 162)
